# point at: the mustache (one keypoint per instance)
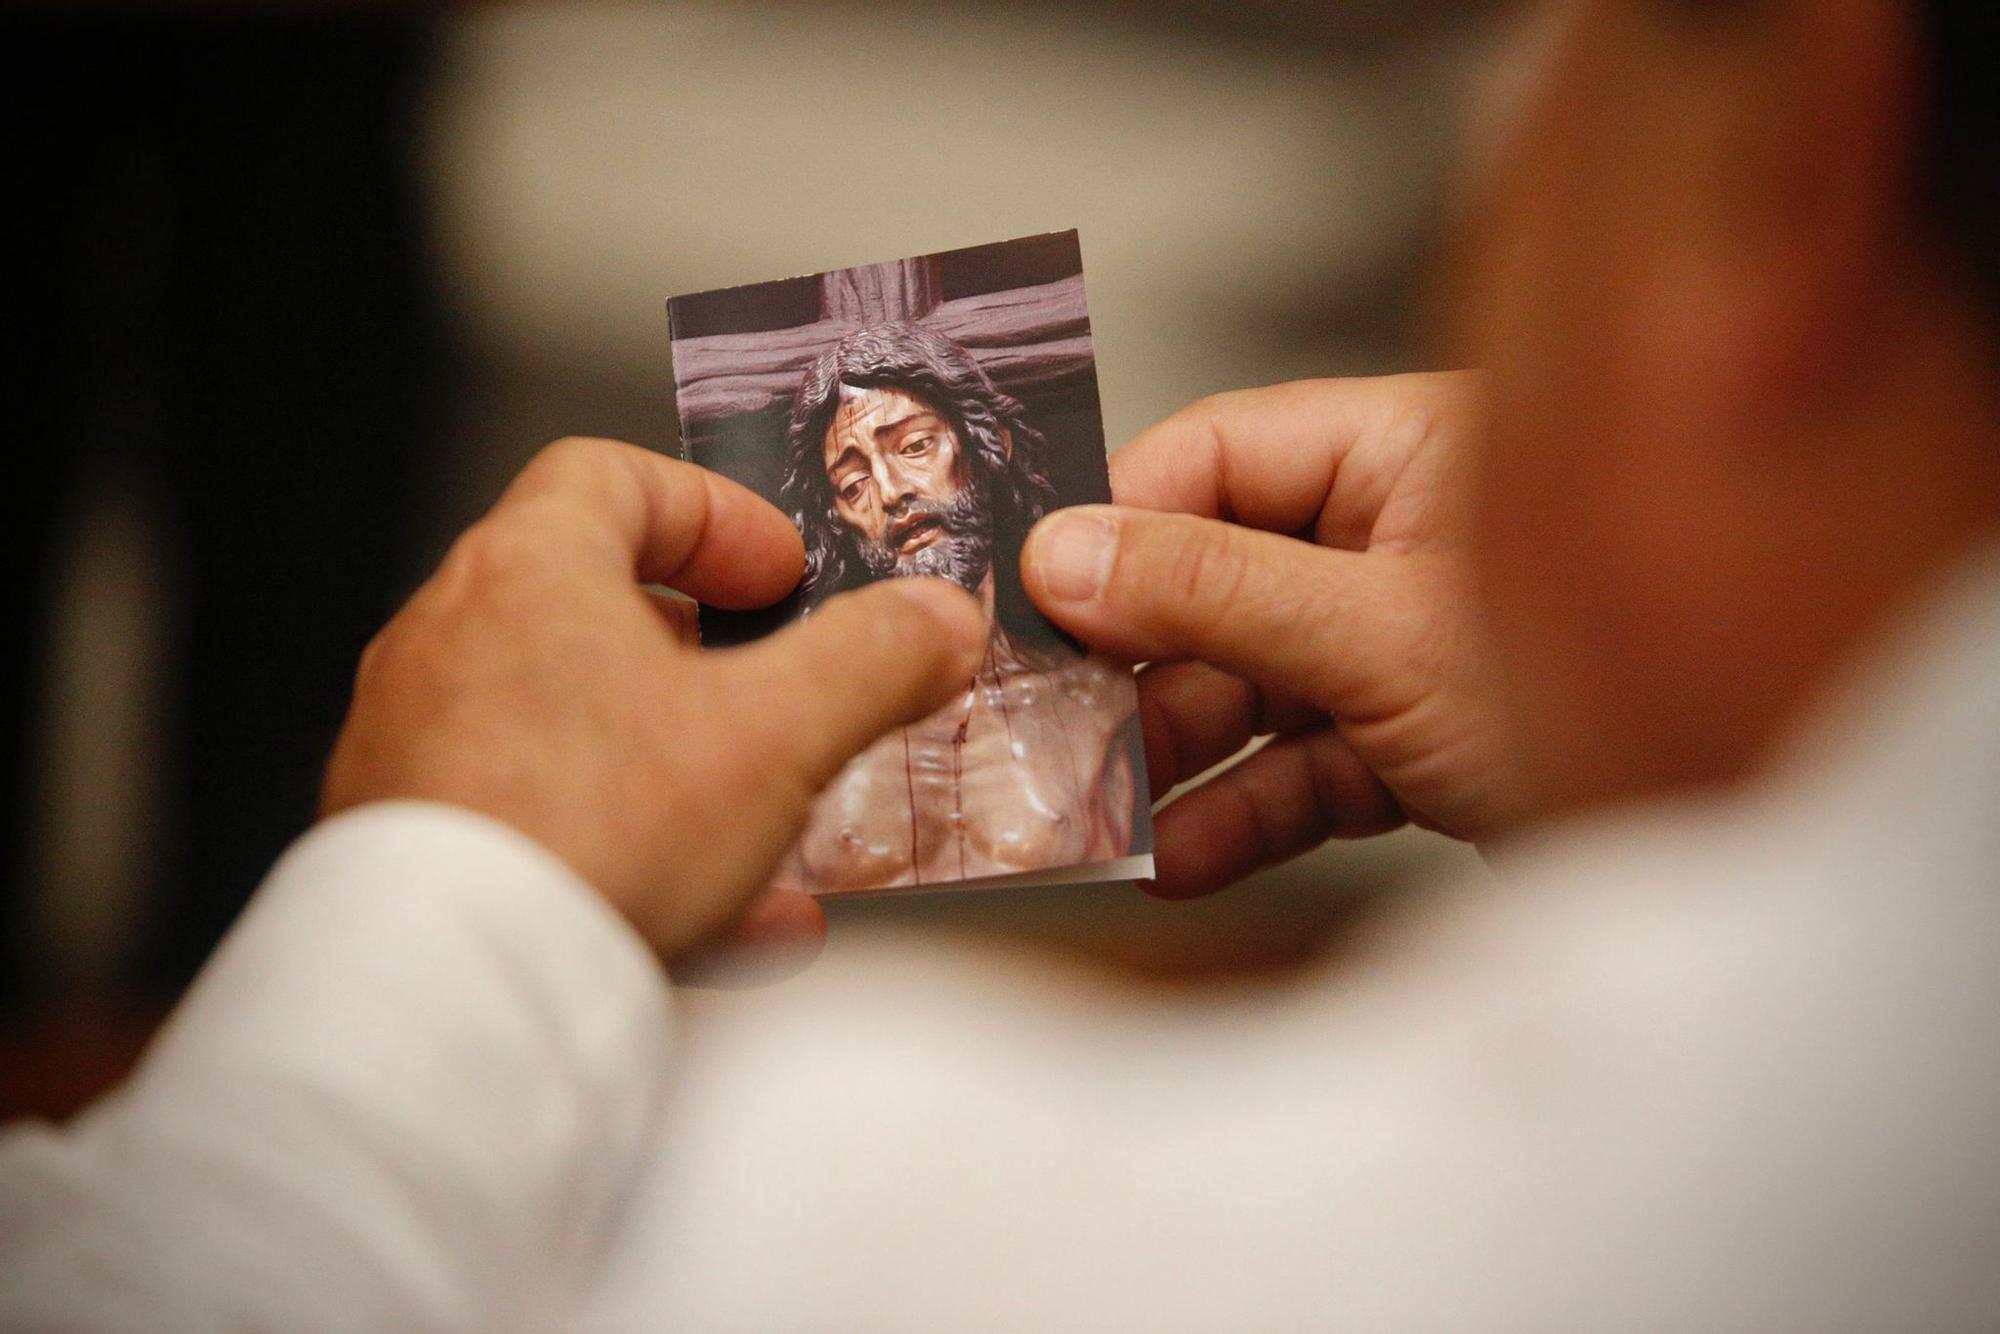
(965, 512)
(961, 552)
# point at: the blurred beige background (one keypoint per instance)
(1257, 187)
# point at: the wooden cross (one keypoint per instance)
(1031, 340)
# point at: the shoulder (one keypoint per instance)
(1691, 1039)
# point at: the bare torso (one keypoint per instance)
(1026, 770)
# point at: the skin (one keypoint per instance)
(534, 678)
(1737, 419)
(884, 447)
(1353, 649)
(1725, 440)
(1022, 770)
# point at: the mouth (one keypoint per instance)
(914, 534)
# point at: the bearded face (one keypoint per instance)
(960, 545)
(901, 487)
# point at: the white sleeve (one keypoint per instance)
(406, 1094)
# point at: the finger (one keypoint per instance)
(777, 935)
(1285, 800)
(1272, 458)
(824, 689)
(1333, 627)
(1194, 717)
(658, 519)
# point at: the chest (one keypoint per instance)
(1002, 779)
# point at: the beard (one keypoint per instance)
(961, 552)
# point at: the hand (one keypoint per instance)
(1344, 627)
(534, 679)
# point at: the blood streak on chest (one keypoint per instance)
(1000, 694)
(956, 739)
(910, 787)
(958, 775)
(1011, 797)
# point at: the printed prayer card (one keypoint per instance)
(916, 418)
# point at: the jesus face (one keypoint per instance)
(900, 484)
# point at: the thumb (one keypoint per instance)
(1289, 616)
(865, 662)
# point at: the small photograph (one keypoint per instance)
(916, 418)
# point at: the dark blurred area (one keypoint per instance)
(296, 290)
(223, 299)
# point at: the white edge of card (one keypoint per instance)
(1138, 866)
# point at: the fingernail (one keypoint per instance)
(1073, 553)
(956, 610)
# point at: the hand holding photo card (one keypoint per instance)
(917, 418)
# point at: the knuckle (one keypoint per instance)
(1209, 406)
(572, 451)
(1213, 414)
(404, 652)
(565, 465)
(474, 558)
(1203, 564)
(492, 550)
(372, 654)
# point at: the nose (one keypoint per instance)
(890, 483)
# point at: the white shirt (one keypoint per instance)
(1724, 1066)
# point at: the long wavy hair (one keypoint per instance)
(1002, 453)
